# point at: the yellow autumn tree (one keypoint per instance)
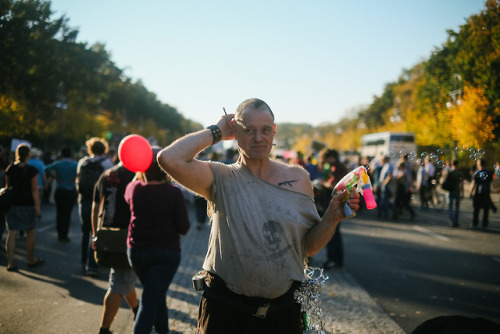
(12, 116)
(471, 124)
(430, 126)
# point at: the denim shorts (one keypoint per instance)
(21, 218)
(122, 280)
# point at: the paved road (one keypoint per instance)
(423, 268)
(59, 298)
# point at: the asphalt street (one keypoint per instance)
(59, 298)
(422, 268)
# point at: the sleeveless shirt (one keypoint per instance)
(257, 239)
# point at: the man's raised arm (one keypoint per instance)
(178, 159)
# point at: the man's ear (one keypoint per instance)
(274, 128)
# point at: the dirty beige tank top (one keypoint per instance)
(257, 240)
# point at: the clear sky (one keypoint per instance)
(311, 61)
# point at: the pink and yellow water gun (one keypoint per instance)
(359, 181)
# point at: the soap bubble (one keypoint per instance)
(424, 155)
(402, 152)
(391, 155)
(419, 162)
(439, 151)
(481, 151)
(482, 174)
(458, 149)
(440, 163)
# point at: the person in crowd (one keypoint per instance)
(425, 175)
(336, 171)
(23, 178)
(50, 188)
(403, 191)
(480, 192)
(64, 172)
(387, 189)
(37, 162)
(88, 170)
(110, 209)
(200, 205)
(300, 159)
(454, 184)
(264, 224)
(312, 168)
(159, 216)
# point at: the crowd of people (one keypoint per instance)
(147, 205)
(401, 184)
(255, 259)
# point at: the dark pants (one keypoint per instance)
(481, 201)
(87, 254)
(65, 200)
(224, 312)
(454, 207)
(424, 196)
(155, 268)
(402, 202)
(335, 248)
(385, 206)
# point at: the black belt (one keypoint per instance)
(216, 289)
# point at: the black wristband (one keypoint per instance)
(216, 133)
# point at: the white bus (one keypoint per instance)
(387, 143)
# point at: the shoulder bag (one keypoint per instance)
(111, 247)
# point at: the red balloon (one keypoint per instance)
(135, 153)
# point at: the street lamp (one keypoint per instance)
(456, 94)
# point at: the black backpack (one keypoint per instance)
(88, 176)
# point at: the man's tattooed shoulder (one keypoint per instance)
(288, 183)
